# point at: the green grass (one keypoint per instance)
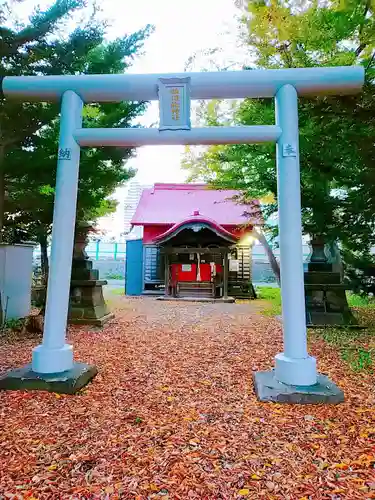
(117, 291)
(269, 293)
(114, 276)
(354, 345)
(359, 359)
(273, 298)
(359, 301)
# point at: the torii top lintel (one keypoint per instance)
(204, 85)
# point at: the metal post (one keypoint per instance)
(294, 366)
(97, 250)
(225, 276)
(115, 252)
(54, 355)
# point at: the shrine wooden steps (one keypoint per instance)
(195, 289)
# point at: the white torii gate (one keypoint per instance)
(293, 367)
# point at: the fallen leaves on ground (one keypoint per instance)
(172, 415)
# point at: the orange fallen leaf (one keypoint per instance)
(156, 353)
(341, 466)
(194, 441)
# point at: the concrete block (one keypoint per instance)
(268, 389)
(68, 382)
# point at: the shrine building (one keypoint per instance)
(196, 243)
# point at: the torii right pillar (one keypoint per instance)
(295, 378)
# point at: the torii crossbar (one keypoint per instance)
(295, 371)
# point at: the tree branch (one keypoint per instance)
(271, 256)
(360, 48)
(41, 25)
(363, 45)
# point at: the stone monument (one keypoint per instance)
(326, 302)
(87, 305)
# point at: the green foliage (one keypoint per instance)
(337, 133)
(360, 270)
(358, 301)
(14, 324)
(29, 132)
(301, 33)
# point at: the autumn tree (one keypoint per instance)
(336, 133)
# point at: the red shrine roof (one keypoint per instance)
(174, 203)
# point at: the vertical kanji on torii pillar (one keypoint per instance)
(294, 379)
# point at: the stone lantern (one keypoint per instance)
(326, 302)
(87, 305)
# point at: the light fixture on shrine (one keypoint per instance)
(247, 240)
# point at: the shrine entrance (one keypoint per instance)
(294, 368)
(197, 261)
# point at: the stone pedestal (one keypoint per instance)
(68, 382)
(269, 389)
(87, 305)
(326, 302)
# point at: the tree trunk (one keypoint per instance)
(271, 257)
(43, 242)
(44, 264)
(2, 190)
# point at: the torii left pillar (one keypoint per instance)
(53, 368)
